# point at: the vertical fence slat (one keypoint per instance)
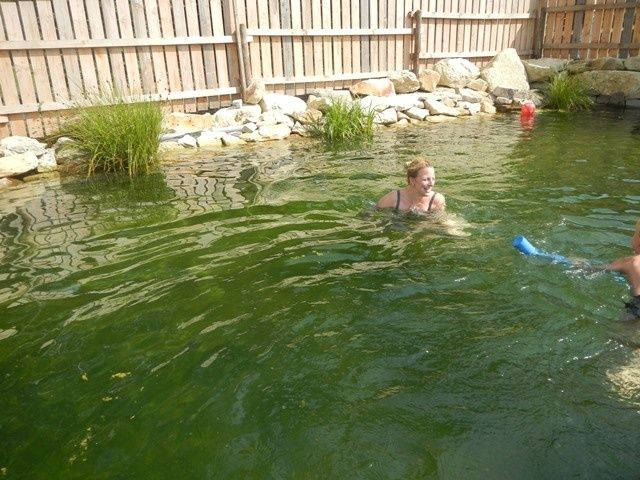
(8, 87)
(69, 56)
(157, 53)
(298, 48)
(356, 43)
(85, 55)
(276, 43)
(374, 44)
(618, 23)
(265, 43)
(318, 46)
(284, 20)
(129, 53)
(627, 31)
(636, 33)
(254, 46)
(139, 23)
(338, 41)
(347, 21)
(305, 18)
(197, 59)
(184, 52)
(39, 69)
(21, 65)
(326, 41)
(365, 45)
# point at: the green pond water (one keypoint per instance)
(246, 313)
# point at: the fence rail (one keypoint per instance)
(198, 55)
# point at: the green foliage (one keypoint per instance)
(564, 92)
(115, 136)
(344, 122)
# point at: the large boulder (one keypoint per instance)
(236, 116)
(186, 122)
(285, 103)
(17, 164)
(404, 81)
(428, 79)
(632, 63)
(378, 87)
(254, 92)
(506, 70)
(456, 72)
(543, 69)
(17, 144)
(611, 82)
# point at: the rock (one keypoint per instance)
(275, 117)
(47, 161)
(378, 87)
(251, 137)
(478, 84)
(471, 108)
(188, 141)
(505, 70)
(509, 93)
(372, 103)
(503, 101)
(404, 81)
(231, 140)
(17, 164)
(486, 106)
(428, 79)
(405, 101)
(285, 103)
(249, 127)
(417, 113)
(186, 122)
(210, 139)
(606, 63)
(471, 96)
(236, 103)
(439, 108)
(300, 129)
(7, 182)
(321, 99)
(610, 82)
(233, 116)
(41, 177)
(310, 116)
(632, 63)
(456, 72)
(274, 132)
(577, 66)
(543, 69)
(254, 92)
(386, 117)
(17, 144)
(439, 119)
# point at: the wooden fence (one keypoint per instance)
(589, 28)
(198, 54)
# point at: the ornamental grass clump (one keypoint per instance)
(114, 135)
(564, 92)
(344, 122)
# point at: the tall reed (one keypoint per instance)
(564, 92)
(344, 122)
(114, 135)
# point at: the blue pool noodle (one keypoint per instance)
(524, 246)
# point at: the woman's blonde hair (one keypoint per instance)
(415, 165)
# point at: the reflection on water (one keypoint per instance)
(250, 313)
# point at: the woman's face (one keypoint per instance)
(424, 181)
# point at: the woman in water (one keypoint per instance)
(418, 196)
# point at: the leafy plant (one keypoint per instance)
(564, 92)
(344, 122)
(115, 135)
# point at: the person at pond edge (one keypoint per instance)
(630, 268)
(418, 196)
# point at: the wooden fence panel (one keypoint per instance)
(185, 50)
(591, 28)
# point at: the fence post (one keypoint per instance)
(417, 17)
(541, 22)
(244, 40)
(243, 78)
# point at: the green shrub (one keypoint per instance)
(344, 122)
(115, 136)
(564, 92)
